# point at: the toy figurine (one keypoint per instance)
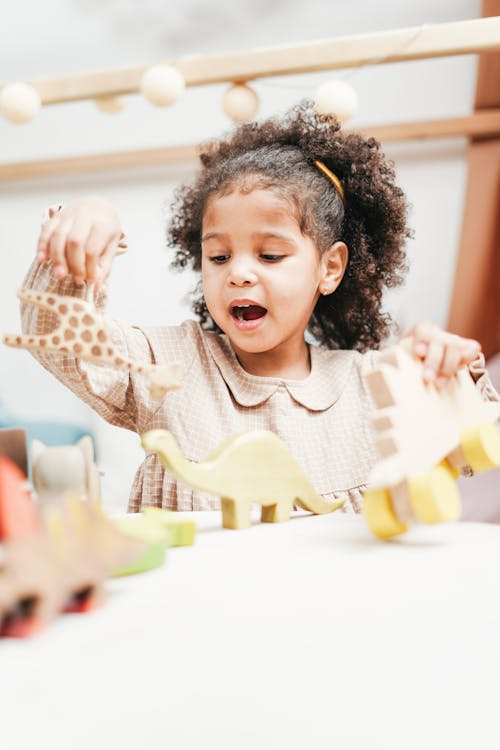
(66, 468)
(425, 436)
(55, 555)
(81, 331)
(253, 467)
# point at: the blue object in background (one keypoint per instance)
(49, 433)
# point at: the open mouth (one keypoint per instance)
(248, 312)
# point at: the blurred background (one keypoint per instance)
(61, 37)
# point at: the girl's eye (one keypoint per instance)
(219, 258)
(271, 258)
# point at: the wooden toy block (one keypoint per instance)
(65, 468)
(424, 436)
(158, 529)
(181, 531)
(253, 467)
(156, 541)
(81, 331)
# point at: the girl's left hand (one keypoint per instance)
(442, 353)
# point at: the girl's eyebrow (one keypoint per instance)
(211, 236)
(271, 235)
(274, 235)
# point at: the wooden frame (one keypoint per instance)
(483, 124)
(438, 40)
(415, 43)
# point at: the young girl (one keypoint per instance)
(295, 226)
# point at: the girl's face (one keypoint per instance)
(261, 276)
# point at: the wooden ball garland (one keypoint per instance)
(162, 85)
(336, 98)
(19, 102)
(240, 103)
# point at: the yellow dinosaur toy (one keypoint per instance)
(252, 467)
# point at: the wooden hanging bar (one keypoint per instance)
(480, 125)
(416, 43)
(484, 124)
(97, 162)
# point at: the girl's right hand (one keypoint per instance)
(81, 240)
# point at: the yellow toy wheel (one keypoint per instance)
(481, 446)
(434, 497)
(379, 514)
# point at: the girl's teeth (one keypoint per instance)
(249, 312)
(240, 311)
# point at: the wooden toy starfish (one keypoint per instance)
(81, 331)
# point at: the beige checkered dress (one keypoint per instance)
(324, 419)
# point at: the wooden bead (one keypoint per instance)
(162, 85)
(19, 102)
(240, 103)
(336, 98)
(110, 105)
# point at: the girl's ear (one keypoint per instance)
(333, 265)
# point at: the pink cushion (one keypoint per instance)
(481, 493)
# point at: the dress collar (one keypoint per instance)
(329, 374)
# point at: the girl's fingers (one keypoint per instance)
(99, 239)
(47, 228)
(91, 268)
(442, 353)
(75, 259)
(57, 247)
(54, 210)
(95, 248)
(471, 350)
(451, 362)
(105, 263)
(433, 360)
(421, 333)
(420, 348)
(75, 249)
(77, 237)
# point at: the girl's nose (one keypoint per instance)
(242, 274)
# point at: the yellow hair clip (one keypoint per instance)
(333, 179)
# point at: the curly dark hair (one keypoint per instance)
(279, 154)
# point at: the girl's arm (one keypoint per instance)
(72, 243)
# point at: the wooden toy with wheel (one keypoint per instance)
(425, 437)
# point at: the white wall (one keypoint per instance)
(143, 289)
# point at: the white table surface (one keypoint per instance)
(308, 634)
